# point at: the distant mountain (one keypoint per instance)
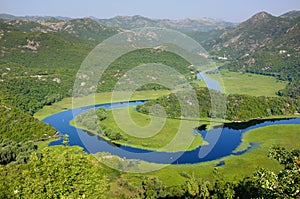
(85, 28)
(50, 43)
(137, 21)
(30, 18)
(259, 33)
(291, 14)
(264, 44)
(131, 22)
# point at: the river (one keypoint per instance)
(228, 140)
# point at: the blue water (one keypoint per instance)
(225, 139)
(210, 83)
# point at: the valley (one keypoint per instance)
(177, 142)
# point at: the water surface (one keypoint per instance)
(226, 140)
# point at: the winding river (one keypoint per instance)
(227, 141)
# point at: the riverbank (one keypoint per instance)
(174, 135)
(186, 140)
(241, 165)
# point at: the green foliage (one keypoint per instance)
(12, 151)
(47, 50)
(19, 126)
(101, 113)
(267, 184)
(265, 45)
(239, 107)
(137, 58)
(153, 188)
(243, 107)
(172, 107)
(263, 184)
(92, 121)
(39, 62)
(31, 89)
(88, 120)
(60, 172)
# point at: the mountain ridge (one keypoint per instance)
(138, 21)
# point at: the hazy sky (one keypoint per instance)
(230, 10)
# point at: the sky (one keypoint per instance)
(228, 10)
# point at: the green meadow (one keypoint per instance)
(250, 84)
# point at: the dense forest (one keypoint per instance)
(19, 126)
(232, 107)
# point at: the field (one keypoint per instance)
(154, 133)
(250, 84)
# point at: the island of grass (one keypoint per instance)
(175, 132)
(170, 135)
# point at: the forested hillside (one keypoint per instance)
(238, 107)
(19, 126)
(139, 57)
(264, 44)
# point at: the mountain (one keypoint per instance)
(85, 28)
(39, 59)
(291, 14)
(30, 18)
(262, 32)
(137, 21)
(186, 25)
(264, 44)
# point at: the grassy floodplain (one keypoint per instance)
(250, 84)
(170, 135)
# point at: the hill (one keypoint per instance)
(264, 44)
(136, 21)
(39, 59)
(186, 25)
(291, 14)
(19, 126)
(237, 107)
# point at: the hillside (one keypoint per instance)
(291, 14)
(262, 32)
(264, 44)
(136, 21)
(131, 22)
(237, 107)
(19, 126)
(39, 59)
